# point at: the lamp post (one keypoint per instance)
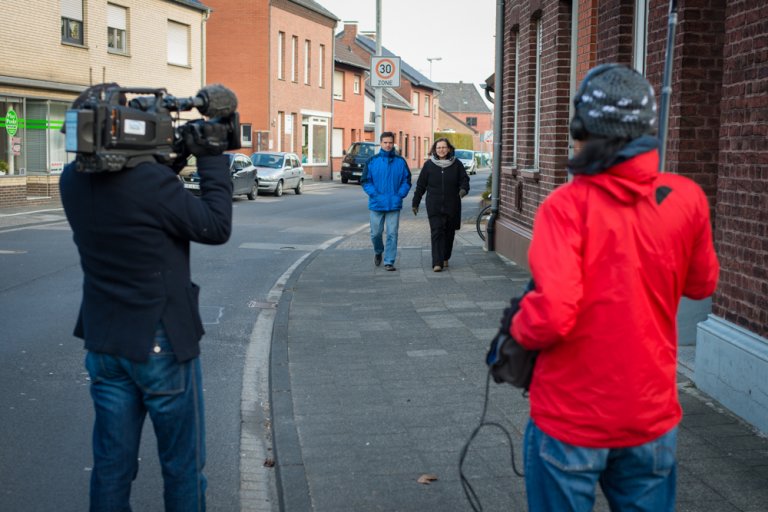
(430, 59)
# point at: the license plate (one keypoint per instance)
(193, 186)
(358, 174)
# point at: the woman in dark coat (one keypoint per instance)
(445, 182)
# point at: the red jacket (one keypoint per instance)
(611, 256)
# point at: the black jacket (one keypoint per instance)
(132, 229)
(442, 188)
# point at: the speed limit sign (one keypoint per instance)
(385, 71)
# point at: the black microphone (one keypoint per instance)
(215, 101)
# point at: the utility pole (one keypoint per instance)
(378, 93)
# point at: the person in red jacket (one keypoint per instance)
(612, 253)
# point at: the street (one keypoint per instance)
(45, 407)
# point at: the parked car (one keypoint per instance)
(467, 157)
(278, 170)
(244, 178)
(355, 158)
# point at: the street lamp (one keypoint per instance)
(430, 59)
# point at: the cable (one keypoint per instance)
(469, 492)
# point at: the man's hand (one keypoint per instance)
(205, 138)
(415, 210)
(462, 192)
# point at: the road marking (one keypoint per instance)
(12, 252)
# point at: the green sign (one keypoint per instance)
(11, 122)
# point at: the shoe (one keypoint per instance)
(377, 259)
(389, 268)
(445, 264)
(437, 268)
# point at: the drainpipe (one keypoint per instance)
(496, 171)
(203, 43)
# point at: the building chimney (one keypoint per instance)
(350, 30)
(370, 34)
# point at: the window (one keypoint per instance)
(72, 21)
(537, 98)
(315, 148)
(426, 147)
(640, 44)
(338, 85)
(472, 121)
(294, 58)
(357, 84)
(281, 55)
(178, 43)
(117, 27)
(427, 100)
(246, 135)
(517, 96)
(415, 102)
(307, 60)
(321, 69)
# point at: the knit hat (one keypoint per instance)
(614, 101)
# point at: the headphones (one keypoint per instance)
(577, 128)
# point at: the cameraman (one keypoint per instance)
(612, 253)
(139, 314)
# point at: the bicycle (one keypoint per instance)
(481, 223)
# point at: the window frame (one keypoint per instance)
(118, 31)
(281, 55)
(294, 59)
(307, 60)
(415, 98)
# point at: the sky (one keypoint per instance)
(460, 32)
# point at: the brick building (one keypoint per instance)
(413, 129)
(277, 55)
(717, 136)
(78, 43)
(348, 101)
(463, 101)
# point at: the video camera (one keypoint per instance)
(110, 133)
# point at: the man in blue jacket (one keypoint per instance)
(386, 179)
(139, 316)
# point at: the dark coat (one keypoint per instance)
(442, 189)
(132, 229)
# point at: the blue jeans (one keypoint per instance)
(123, 393)
(562, 477)
(392, 221)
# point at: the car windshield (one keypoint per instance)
(267, 160)
(462, 154)
(363, 150)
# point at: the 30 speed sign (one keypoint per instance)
(385, 71)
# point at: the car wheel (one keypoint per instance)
(299, 187)
(344, 180)
(279, 189)
(254, 192)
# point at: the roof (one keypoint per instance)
(345, 55)
(461, 97)
(389, 98)
(314, 6)
(193, 4)
(448, 114)
(411, 74)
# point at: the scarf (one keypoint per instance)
(442, 163)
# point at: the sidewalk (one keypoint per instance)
(378, 378)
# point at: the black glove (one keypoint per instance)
(514, 307)
(462, 192)
(415, 210)
(205, 138)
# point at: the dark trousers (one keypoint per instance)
(443, 232)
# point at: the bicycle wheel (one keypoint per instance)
(482, 221)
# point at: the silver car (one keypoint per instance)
(277, 171)
(467, 157)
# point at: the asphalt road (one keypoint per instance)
(45, 408)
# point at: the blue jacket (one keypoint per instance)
(386, 179)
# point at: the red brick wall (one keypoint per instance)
(348, 113)
(741, 232)
(238, 55)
